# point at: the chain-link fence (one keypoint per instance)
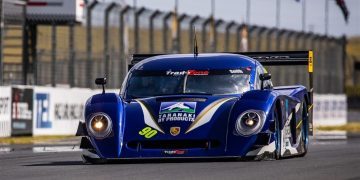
(75, 54)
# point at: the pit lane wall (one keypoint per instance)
(57, 111)
(35, 110)
(5, 111)
(330, 110)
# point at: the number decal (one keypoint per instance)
(151, 134)
(148, 132)
(145, 131)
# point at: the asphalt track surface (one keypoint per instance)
(325, 160)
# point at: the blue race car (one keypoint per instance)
(216, 105)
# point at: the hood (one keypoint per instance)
(178, 117)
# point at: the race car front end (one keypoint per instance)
(182, 126)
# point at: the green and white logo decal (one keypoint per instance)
(177, 111)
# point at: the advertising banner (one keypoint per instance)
(56, 10)
(21, 111)
(36, 110)
(58, 110)
(5, 111)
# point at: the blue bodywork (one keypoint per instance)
(217, 136)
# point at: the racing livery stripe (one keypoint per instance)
(148, 117)
(310, 107)
(286, 147)
(297, 126)
(268, 148)
(206, 114)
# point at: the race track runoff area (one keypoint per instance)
(326, 159)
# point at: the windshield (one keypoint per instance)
(157, 83)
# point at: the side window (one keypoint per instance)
(267, 83)
(259, 71)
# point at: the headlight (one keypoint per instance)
(100, 125)
(250, 122)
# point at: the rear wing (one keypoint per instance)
(281, 58)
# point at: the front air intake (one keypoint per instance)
(174, 144)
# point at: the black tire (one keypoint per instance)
(305, 131)
(89, 160)
(277, 152)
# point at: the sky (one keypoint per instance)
(263, 13)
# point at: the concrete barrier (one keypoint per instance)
(330, 109)
(5, 111)
(57, 111)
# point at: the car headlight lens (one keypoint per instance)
(250, 122)
(100, 125)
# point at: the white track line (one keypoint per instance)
(56, 149)
(5, 150)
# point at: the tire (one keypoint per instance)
(278, 137)
(90, 160)
(304, 131)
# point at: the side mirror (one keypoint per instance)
(101, 81)
(263, 77)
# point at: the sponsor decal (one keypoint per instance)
(177, 111)
(175, 152)
(175, 131)
(4, 107)
(311, 61)
(197, 73)
(148, 132)
(22, 111)
(175, 73)
(42, 103)
(41, 3)
(236, 71)
(69, 111)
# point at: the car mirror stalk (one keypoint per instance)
(101, 81)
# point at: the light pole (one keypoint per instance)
(278, 14)
(212, 26)
(248, 6)
(326, 17)
(1, 40)
(304, 15)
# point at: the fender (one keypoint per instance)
(112, 105)
(257, 100)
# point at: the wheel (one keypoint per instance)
(304, 130)
(278, 137)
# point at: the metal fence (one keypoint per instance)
(74, 54)
(12, 18)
